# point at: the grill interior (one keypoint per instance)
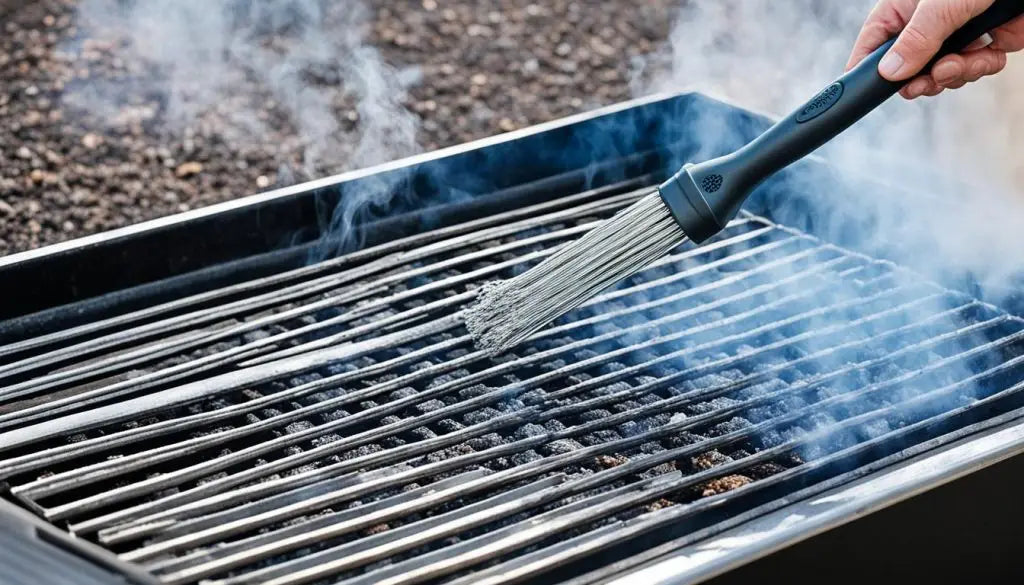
(335, 424)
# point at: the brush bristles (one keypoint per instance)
(508, 311)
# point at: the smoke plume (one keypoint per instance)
(947, 200)
(957, 154)
(298, 78)
(313, 64)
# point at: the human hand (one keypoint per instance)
(923, 25)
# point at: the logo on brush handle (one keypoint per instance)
(820, 103)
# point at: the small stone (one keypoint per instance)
(602, 48)
(34, 227)
(6, 208)
(24, 153)
(53, 158)
(478, 79)
(262, 181)
(91, 140)
(506, 125)
(659, 504)
(725, 484)
(68, 226)
(609, 461)
(710, 459)
(429, 5)
(36, 175)
(188, 169)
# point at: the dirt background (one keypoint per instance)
(98, 132)
(68, 169)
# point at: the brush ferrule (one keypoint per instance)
(690, 209)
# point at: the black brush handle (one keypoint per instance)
(704, 197)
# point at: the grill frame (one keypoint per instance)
(672, 115)
(883, 497)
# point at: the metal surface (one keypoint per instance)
(332, 422)
(746, 350)
(33, 552)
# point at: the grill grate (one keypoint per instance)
(335, 424)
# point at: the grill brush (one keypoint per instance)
(695, 204)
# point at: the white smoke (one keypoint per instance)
(955, 209)
(342, 103)
(958, 154)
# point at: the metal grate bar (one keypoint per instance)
(605, 195)
(799, 414)
(122, 361)
(470, 552)
(202, 556)
(481, 355)
(392, 407)
(250, 521)
(80, 476)
(387, 543)
(543, 560)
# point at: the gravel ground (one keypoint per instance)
(478, 67)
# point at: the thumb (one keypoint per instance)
(920, 40)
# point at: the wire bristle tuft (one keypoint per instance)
(507, 312)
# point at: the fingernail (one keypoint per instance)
(890, 64)
(980, 42)
(917, 88)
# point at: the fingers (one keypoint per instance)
(930, 24)
(921, 26)
(921, 86)
(886, 20)
(954, 71)
(963, 68)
